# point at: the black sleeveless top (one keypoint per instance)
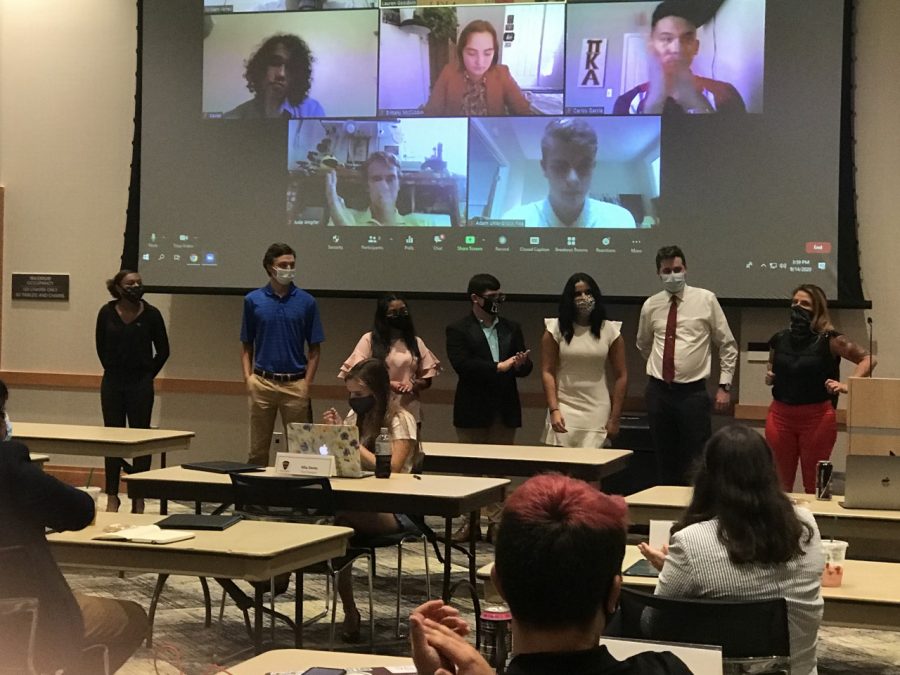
(801, 367)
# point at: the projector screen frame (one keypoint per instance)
(850, 293)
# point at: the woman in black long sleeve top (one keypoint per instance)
(133, 346)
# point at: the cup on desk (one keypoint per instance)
(835, 554)
(94, 492)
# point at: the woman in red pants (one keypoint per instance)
(804, 373)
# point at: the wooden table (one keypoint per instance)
(298, 660)
(873, 534)
(869, 597)
(77, 439)
(93, 441)
(589, 464)
(252, 550)
(426, 495)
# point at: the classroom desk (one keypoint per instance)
(93, 441)
(39, 459)
(589, 464)
(873, 534)
(425, 495)
(298, 660)
(78, 439)
(869, 597)
(253, 550)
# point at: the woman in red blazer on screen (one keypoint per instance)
(476, 84)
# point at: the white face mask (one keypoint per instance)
(585, 305)
(285, 275)
(673, 282)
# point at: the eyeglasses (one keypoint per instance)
(500, 297)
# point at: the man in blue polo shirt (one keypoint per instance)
(279, 320)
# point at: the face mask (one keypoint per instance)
(801, 321)
(362, 404)
(673, 282)
(285, 275)
(491, 305)
(401, 322)
(7, 429)
(133, 293)
(585, 305)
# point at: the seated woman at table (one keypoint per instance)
(369, 388)
(742, 539)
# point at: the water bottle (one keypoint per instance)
(383, 454)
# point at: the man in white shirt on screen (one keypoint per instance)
(568, 158)
(676, 328)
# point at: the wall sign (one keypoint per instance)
(40, 286)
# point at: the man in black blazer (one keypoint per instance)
(488, 353)
(69, 624)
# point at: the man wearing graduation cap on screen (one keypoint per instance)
(672, 85)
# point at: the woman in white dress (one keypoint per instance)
(575, 349)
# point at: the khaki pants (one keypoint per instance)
(496, 434)
(266, 400)
(119, 625)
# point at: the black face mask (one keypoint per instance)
(401, 322)
(133, 293)
(801, 321)
(362, 404)
(491, 305)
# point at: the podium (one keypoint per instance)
(873, 416)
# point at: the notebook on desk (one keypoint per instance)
(199, 521)
(338, 440)
(146, 534)
(222, 466)
(872, 482)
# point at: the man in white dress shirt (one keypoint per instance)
(568, 160)
(676, 328)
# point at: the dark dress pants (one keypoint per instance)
(126, 400)
(679, 416)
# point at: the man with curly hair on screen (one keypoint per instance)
(279, 75)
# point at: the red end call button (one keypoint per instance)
(818, 247)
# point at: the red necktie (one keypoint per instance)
(668, 364)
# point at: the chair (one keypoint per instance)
(279, 497)
(373, 542)
(18, 635)
(753, 634)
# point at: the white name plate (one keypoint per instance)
(296, 464)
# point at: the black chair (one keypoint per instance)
(290, 498)
(753, 634)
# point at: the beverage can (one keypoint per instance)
(824, 472)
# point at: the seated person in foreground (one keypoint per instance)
(568, 158)
(372, 407)
(558, 565)
(68, 623)
(476, 84)
(742, 539)
(279, 75)
(381, 171)
(672, 86)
